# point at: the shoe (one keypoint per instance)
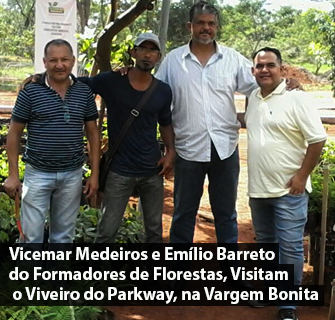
(287, 314)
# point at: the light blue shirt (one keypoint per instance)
(203, 108)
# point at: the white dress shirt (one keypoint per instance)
(203, 108)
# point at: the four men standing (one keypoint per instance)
(285, 138)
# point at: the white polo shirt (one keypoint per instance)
(280, 127)
(203, 108)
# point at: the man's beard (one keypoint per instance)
(204, 41)
(144, 67)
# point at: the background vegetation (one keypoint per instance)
(303, 37)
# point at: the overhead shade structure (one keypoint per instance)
(54, 20)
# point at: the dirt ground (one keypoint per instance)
(205, 233)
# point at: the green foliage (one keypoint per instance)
(303, 41)
(120, 55)
(87, 47)
(16, 31)
(315, 198)
(328, 29)
(311, 67)
(4, 167)
(86, 225)
(49, 313)
(8, 228)
(247, 26)
(132, 229)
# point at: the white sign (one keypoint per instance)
(54, 20)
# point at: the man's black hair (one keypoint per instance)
(203, 7)
(268, 49)
(57, 42)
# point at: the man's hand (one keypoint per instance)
(12, 186)
(293, 84)
(167, 162)
(31, 79)
(297, 184)
(91, 186)
(124, 70)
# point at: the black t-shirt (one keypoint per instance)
(139, 151)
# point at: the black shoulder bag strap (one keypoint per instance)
(133, 115)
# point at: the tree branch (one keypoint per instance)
(113, 10)
(102, 56)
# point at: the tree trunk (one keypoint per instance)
(83, 7)
(163, 29)
(113, 10)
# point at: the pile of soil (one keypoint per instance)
(302, 75)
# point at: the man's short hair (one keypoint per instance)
(202, 7)
(269, 49)
(58, 43)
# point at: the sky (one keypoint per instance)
(296, 4)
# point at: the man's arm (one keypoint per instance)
(297, 183)
(94, 140)
(13, 184)
(167, 160)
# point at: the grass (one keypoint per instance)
(317, 87)
(19, 73)
(13, 70)
(311, 67)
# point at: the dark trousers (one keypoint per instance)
(222, 189)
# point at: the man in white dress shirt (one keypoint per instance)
(203, 76)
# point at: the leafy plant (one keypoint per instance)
(8, 228)
(4, 167)
(49, 313)
(132, 228)
(315, 198)
(86, 226)
(120, 55)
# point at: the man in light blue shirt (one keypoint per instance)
(203, 76)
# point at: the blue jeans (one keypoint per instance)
(282, 220)
(116, 196)
(58, 193)
(188, 188)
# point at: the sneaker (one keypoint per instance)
(287, 314)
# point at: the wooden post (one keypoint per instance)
(323, 223)
(331, 315)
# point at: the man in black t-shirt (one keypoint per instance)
(137, 162)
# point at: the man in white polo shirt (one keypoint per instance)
(285, 139)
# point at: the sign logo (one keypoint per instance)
(54, 9)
